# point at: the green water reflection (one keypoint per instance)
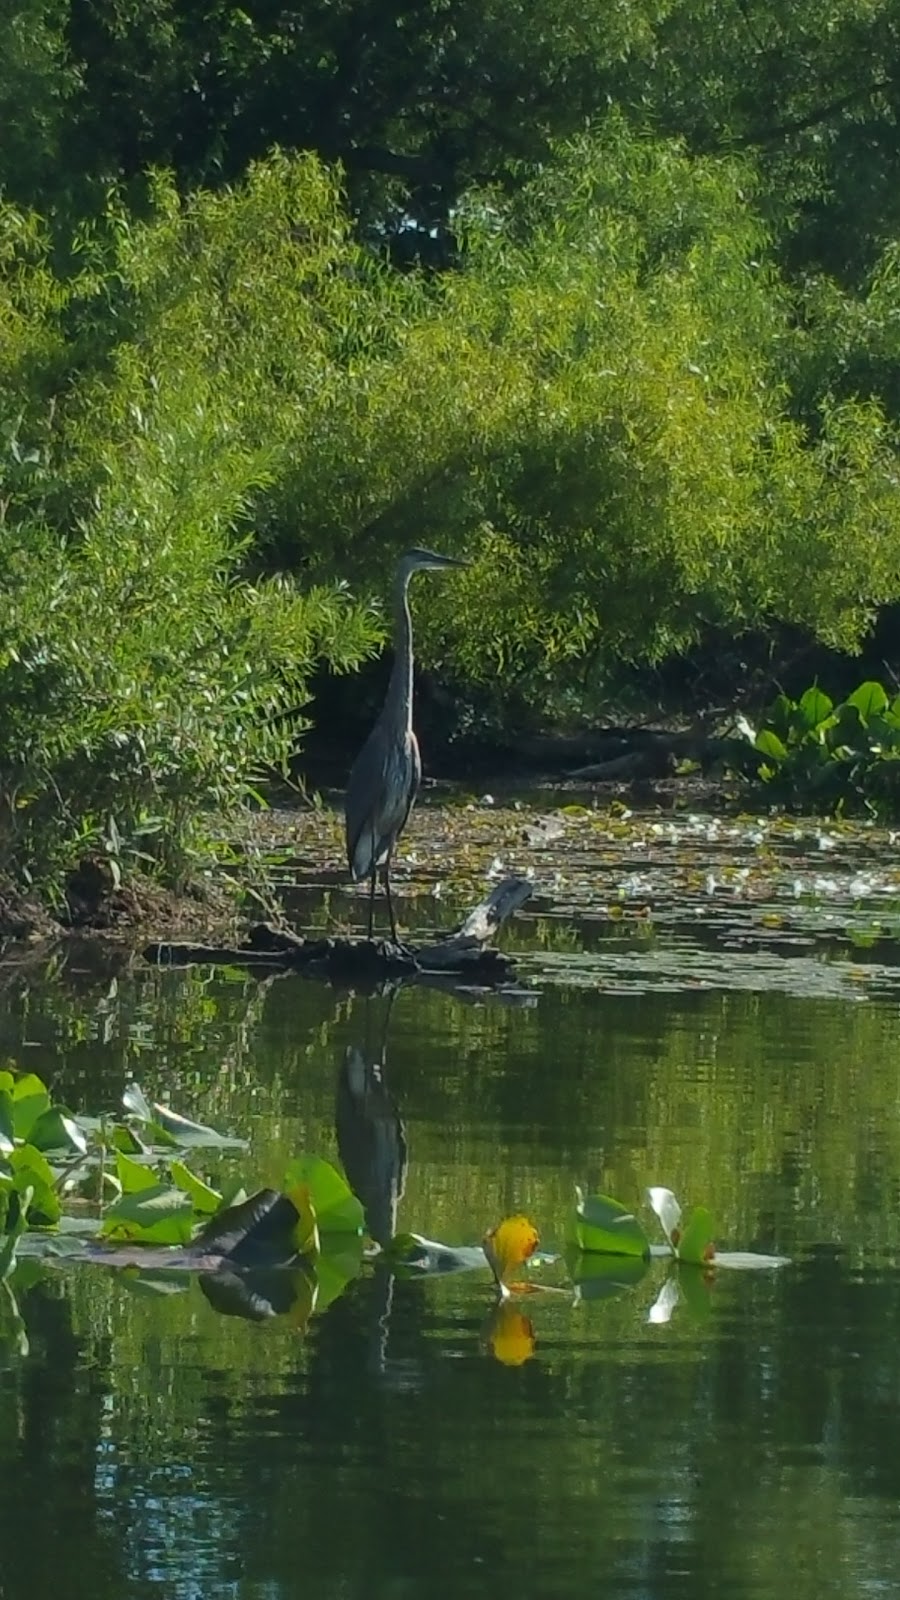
(151, 1446)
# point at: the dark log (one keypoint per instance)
(465, 953)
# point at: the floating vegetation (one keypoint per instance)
(118, 1193)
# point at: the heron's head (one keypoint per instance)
(425, 561)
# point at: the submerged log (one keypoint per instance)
(465, 953)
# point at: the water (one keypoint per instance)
(152, 1446)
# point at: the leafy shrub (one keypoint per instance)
(811, 752)
(144, 681)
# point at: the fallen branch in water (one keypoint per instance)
(464, 953)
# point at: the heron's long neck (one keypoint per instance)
(400, 689)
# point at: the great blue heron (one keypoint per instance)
(385, 775)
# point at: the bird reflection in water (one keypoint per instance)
(371, 1142)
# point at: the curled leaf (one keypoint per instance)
(508, 1245)
(668, 1211)
(606, 1227)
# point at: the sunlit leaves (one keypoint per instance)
(155, 1214)
(336, 1207)
(825, 756)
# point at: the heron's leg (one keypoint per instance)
(372, 900)
(387, 890)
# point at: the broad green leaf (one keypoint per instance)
(256, 1231)
(696, 1245)
(668, 1211)
(206, 1201)
(134, 1176)
(780, 714)
(335, 1204)
(869, 699)
(769, 744)
(125, 1139)
(193, 1133)
(55, 1129)
(337, 1268)
(160, 1215)
(605, 1226)
(30, 1101)
(32, 1170)
(814, 707)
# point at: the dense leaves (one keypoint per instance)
(654, 399)
(843, 757)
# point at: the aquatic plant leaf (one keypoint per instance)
(336, 1206)
(205, 1200)
(306, 1230)
(261, 1294)
(31, 1170)
(187, 1132)
(769, 744)
(696, 1246)
(55, 1129)
(668, 1211)
(125, 1139)
(508, 1245)
(135, 1101)
(336, 1268)
(133, 1176)
(869, 699)
(159, 1215)
(30, 1100)
(814, 706)
(257, 1231)
(509, 1335)
(599, 1277)
(605, 1226)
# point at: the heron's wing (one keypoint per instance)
(381, 790)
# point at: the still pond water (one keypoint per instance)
(402, 1444)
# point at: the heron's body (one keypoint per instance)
(385, 776)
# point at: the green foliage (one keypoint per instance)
(143, 680)
(815, 754)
